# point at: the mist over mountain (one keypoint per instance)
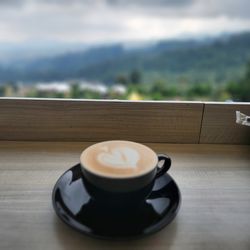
(213, 60)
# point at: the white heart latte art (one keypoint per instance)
(121, 157)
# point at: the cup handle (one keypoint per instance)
(165, 166)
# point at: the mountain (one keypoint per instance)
(14, 53)
(207, 60)
(59, 67)
(192, 61)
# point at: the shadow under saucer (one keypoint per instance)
(70, 239)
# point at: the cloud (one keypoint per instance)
(11, 3)
(96, 21)
(145, 3)
(108, 2)
(191, 8)
(177, 8)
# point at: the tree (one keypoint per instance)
(75, 91)
(161, 89)
(122, 79)
(135, 77)
(158, 87)
(2, 90)
(203, 89)
(241, 91)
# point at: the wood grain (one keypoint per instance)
(214, 181)
(71, 120)
(219, 124)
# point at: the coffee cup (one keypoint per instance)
(121, 170)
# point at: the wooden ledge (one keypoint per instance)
(213, 179)
(142, 121)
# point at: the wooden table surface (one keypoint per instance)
(214, 181)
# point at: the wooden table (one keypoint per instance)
(214, 181)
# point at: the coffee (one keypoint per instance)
(118, 159)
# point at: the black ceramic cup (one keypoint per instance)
(109, 189)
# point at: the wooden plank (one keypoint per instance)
(76, 120)
(219, 126)
(213, 179)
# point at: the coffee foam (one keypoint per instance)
(118, 159)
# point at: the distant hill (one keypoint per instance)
(212, 60)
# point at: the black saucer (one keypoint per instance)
(75, 207)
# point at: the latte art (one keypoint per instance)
(121, 157)
(118, 159)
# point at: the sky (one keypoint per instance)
(104, 21)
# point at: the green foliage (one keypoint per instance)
(203, 89)
(142, 88)
(161, 89)
(2, 90)
(158, 87)
(87, 94)
(122, 79)
(157, 96)
(75, 91)
(241, 91)
(235, 90)
(135, 77)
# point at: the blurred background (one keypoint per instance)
(126, 49)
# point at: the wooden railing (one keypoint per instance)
(144, 121)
